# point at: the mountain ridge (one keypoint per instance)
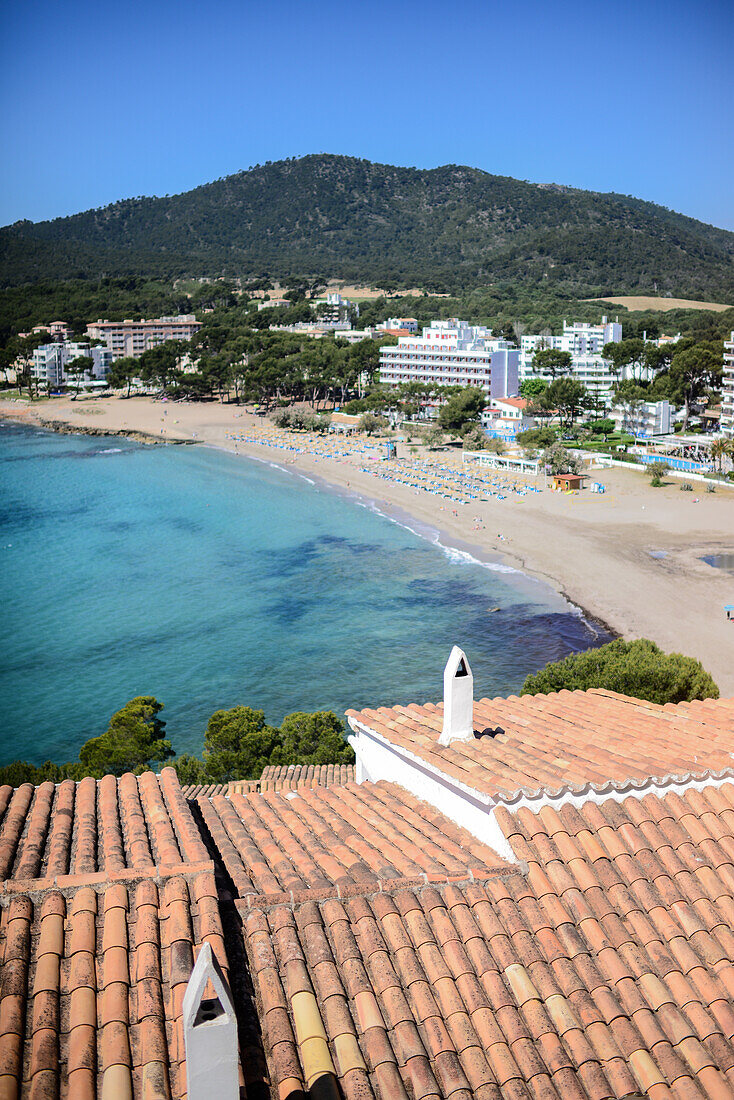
(444, 228)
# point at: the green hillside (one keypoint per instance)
(444, 228)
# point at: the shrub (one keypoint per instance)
(603, 427)
(637, 668)
(656, 472)
(536, 438)
(686, 487)
(559, 460)
(475, 440)
(434, 438)
(318, 423)
(370, 424)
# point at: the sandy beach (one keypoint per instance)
(630, 558)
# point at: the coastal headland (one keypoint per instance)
(631, 558)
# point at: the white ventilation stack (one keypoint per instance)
(458, 699)
(210, 1033)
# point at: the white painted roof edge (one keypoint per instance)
(576, 795)
(471, 792)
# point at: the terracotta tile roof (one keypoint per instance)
(92, 986)
(391, 953)
(277, 778)
(106, 892)
(565, 740)
(319, 841)
(107, 825)
(305, 775)
(192, 791)
(606, 970)
(514, 402)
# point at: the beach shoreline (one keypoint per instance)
(444, 540)
(629, 561)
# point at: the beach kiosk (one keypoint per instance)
(567, 483)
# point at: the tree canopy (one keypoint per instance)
(535, 438)
(626, 353)
(532, 387)
(638, 668)
(133, 741)
(692, 370)
(238, 744)
(565, 396)
(558, 460)
(316, 738)
(462, 409)
(551, 362)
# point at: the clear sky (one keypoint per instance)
(104, 101)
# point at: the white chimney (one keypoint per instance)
(210, 1033)
(458, 699)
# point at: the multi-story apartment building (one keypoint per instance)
(134, 337)
(584, 343)
(727, 390)
(50, 362)
(410, 324)
(586, 339)
(452, 353)
(333, 309)
(580, 339)
(58, 330)
(643, 418)
(274, 303)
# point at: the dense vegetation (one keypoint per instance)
(508, 309)
(638, 668)
(238, 744)
(79, 301)
(445, 229)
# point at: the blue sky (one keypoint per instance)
(103, 101)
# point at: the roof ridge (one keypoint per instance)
(160, 873)
(253, 899)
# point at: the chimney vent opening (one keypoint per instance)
(209, 1010)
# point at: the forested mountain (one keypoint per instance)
(444, 228)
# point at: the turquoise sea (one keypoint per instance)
(208, 580)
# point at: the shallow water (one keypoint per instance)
(208, 579)
(720, 561)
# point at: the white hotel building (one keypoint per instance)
(453, 353)
(584, 342)
(50, 362)
(644, 418)
(727, 390)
